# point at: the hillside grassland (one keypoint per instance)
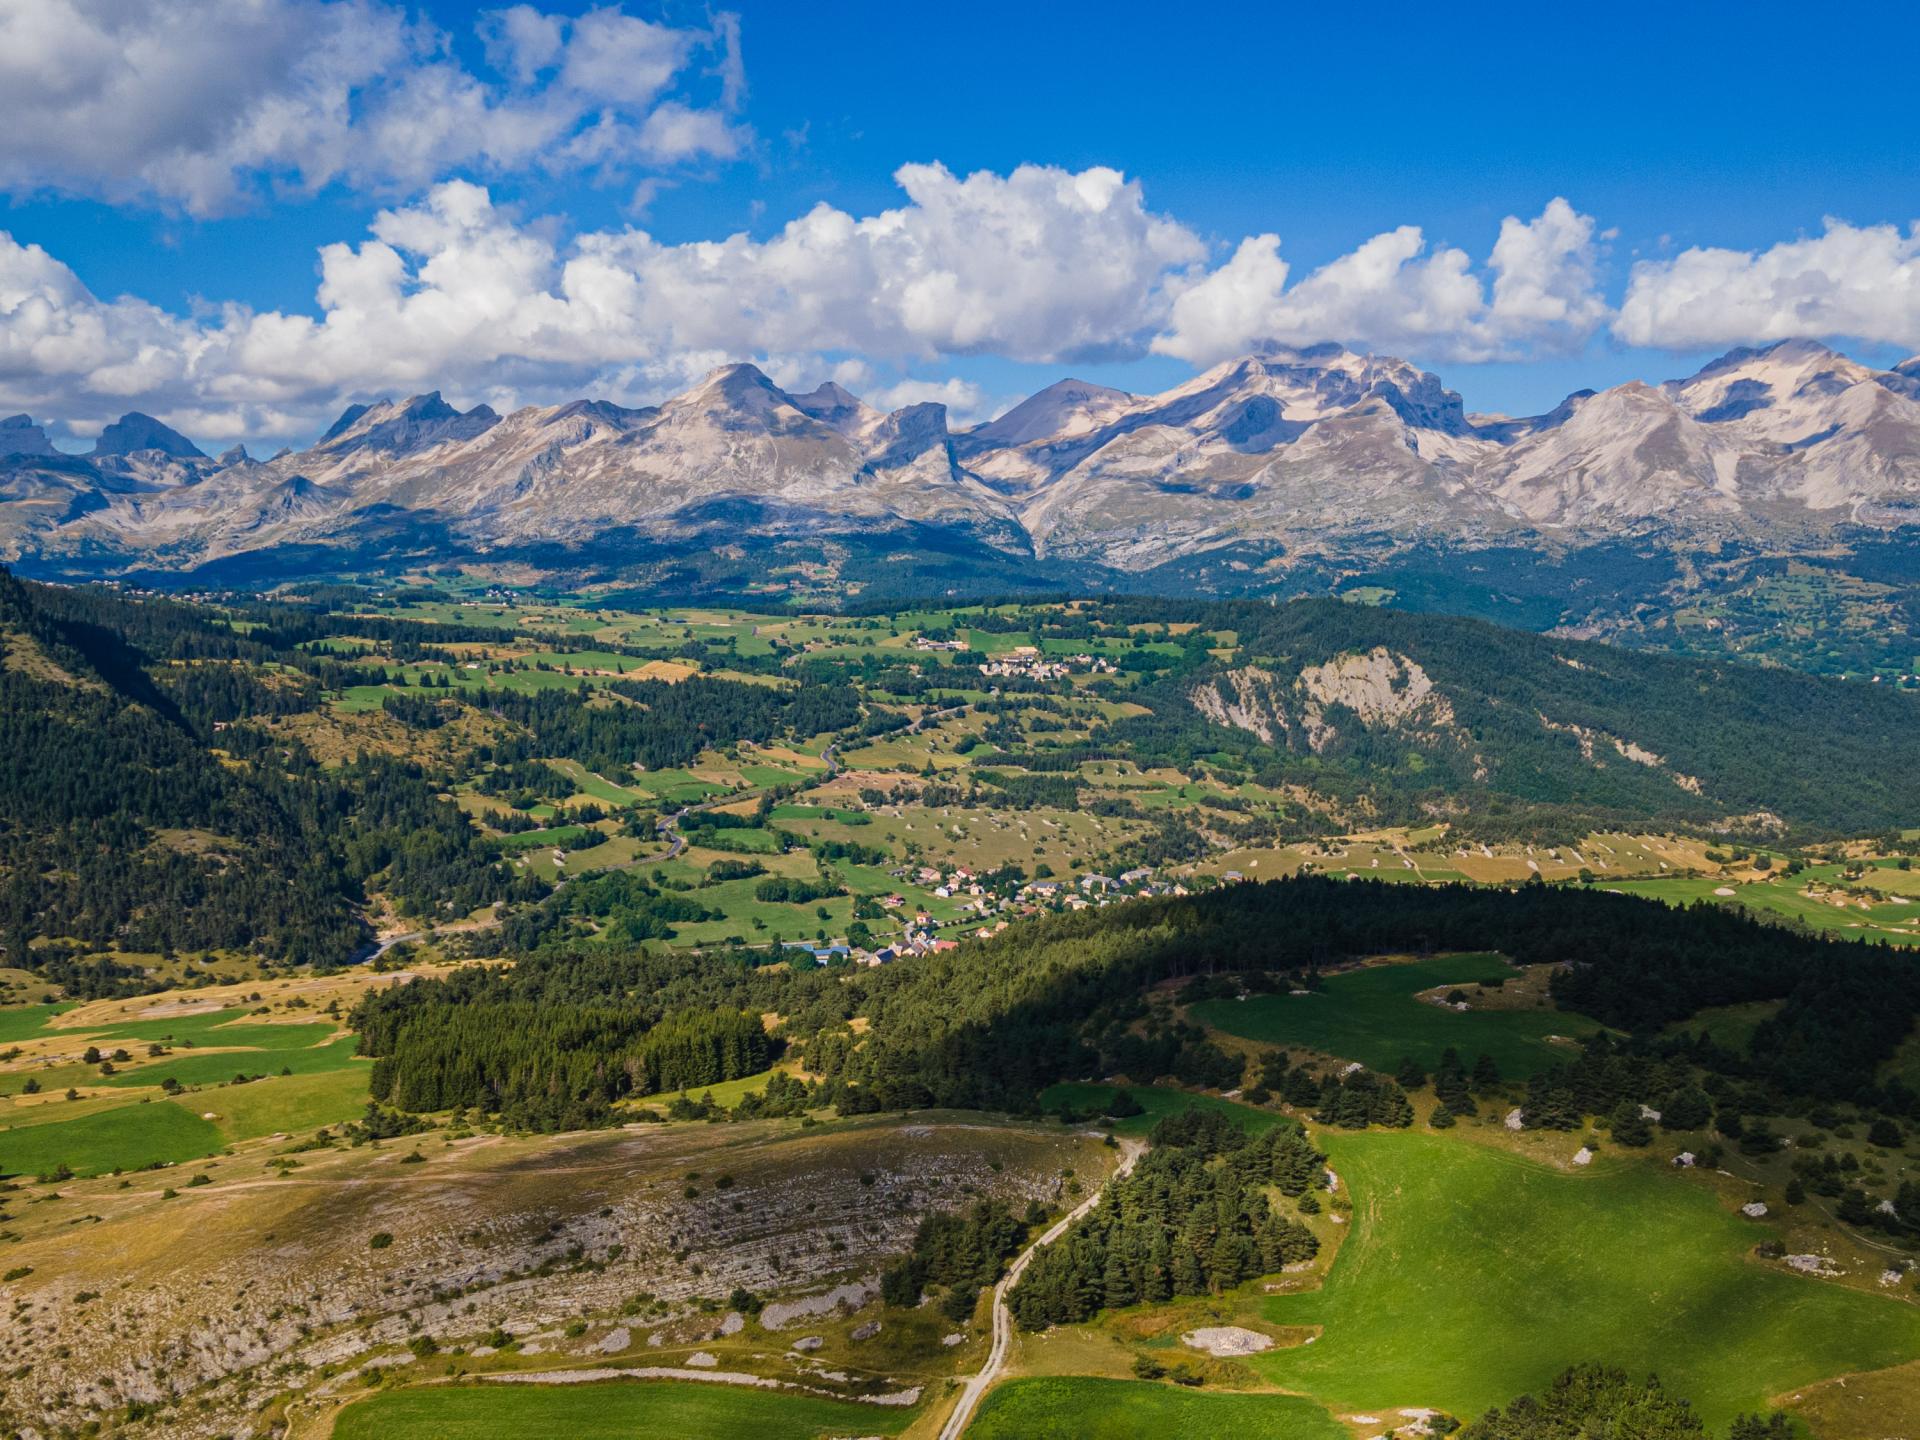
(19, 1022)
(612, 1410)
(274, 1248)
(1371, 1015)
(125, 1121)
(1893, 921)
(1089, 1408)
(124, 1137)
(1472, 1275)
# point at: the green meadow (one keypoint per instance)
(258, 1059)
(727, 1093)
(120, 1129)
(1371, 1015)
(285, 1104)
(126, 1137)
(615, 1410)
(1472, 1275)
(1083, 1408)
(17, 1022)
(1890, 921)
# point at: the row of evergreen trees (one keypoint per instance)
(548, 1067)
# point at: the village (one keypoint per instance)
(990, 910)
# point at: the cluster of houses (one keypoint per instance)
(986, 912)
(1028, 661)
(1095, 889)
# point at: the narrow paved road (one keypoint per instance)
(978, 1385)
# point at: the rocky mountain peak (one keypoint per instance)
(134, 432)
(402, 427)
(20, 436)
(834, 405)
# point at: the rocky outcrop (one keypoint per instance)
(1380, 689)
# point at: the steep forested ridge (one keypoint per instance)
(1534, 720)
(131, 817)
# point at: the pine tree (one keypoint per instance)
(1118, 1288)
(1185, 1272)
(1157, 1285)
(1629, 1127)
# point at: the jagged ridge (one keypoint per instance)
(1308, 451)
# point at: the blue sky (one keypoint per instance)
(1704, 143)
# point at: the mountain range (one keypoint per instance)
(1288, 454)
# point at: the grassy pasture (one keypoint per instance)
(1891, 921)
(1084, 1408)
(1472, 1275)
(289, 1103)
(559, 836)
(1371, 1015)
(19, 1022)
(207, 1048)
(727, 1093)
(598, 786)
(212, 1069)
(615, 1410)
(125, 1137)
(1859, 1407)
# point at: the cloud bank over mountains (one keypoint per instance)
(216, 105)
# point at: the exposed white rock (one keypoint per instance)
(1227, 1340)
(1813, 1265)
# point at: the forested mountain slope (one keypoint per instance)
(135, 815)
(1454, 716)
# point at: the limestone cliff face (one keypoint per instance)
(1382, 690)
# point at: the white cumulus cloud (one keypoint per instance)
(202, 104)
(1394, 293)
(456, 293)
(1852, 282)
(967, 404)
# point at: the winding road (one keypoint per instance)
(978, 1385)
